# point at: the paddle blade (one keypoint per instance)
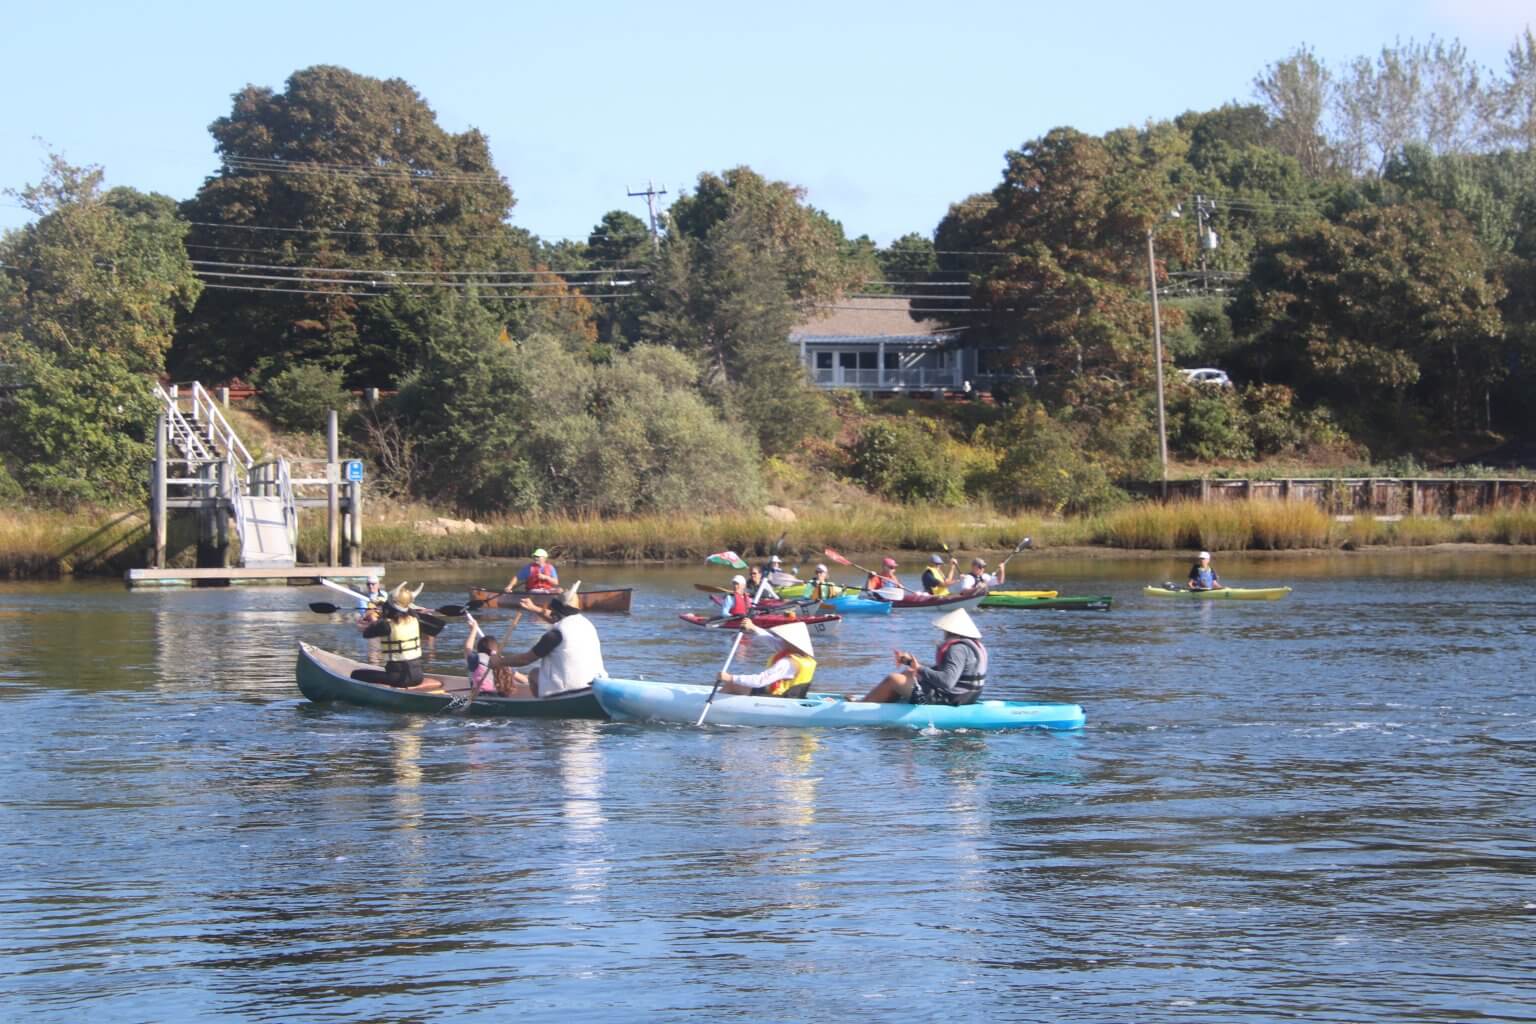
(1024, 545)
(729, 559)
(839, 559)
(475, 604)
(323, 608)
(451, 610)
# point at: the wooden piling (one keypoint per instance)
(333, 488)
(157, 529)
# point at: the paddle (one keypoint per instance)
(708, 588)
(430, 621)
(840, 560)
(1023, 545)
(736, 643)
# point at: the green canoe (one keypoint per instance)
(1224, 594)
(1067, 603)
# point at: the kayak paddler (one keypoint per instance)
(1202, 576)
(400, 633)
(958, 672)
(979, 577)
(789, 669)
(778, 576)
(885, 580)
(754, 581)
(935, 580)
(820, 588)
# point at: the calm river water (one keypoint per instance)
(1319, 809)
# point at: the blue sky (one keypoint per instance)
(885, 112)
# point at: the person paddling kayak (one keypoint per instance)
(789, 670)
(935, 580)
(979, 577)
(958, 673)
(1202, 576)
(885, 580)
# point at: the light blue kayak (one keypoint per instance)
(682, 702)
(851, 603)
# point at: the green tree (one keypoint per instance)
(619, 251)
(743, 261)
(338, 190)
(88, 297)
(1387, 305)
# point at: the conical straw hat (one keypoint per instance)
(959, 623)
(797, 636)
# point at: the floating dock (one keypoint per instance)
(292, 576)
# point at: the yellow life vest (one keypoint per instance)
(805, 668)
(404, 640)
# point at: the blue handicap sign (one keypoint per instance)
(355, 471)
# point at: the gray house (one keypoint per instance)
(874, 345)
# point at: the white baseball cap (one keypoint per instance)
(821, 567)
(1205, 554)
(738, 578)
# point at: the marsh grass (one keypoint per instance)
(1217, 526)
(45, 544)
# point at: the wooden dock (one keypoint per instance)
(292, 576)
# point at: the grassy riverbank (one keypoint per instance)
(43, 544)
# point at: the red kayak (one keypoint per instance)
(815, 623)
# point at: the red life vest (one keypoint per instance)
(542, 577)
(738, 604)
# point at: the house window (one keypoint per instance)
(892, 361)
(848, 360)
(867, 360)
(823, 360)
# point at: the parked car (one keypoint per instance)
(1208, 375)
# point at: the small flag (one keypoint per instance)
(727, 558)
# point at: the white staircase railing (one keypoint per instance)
(220, 435)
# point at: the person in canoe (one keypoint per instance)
(488, 672)
(979, 577)
(789, 670)
(538, 575)
(958, 672)
(935, 580)
(1202, 576)
(569, 654)
(400, 634)
(885, 580)
(778, 576)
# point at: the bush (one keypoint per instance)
(302, 396)
(1045, 464)
(903, 460)
(1207, 423)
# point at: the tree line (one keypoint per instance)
(1371, 230)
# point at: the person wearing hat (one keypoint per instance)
(885, 580)
(569, 654)
(778, 576)
(375, 596)
(789, 670)
(1202, 576)
(538, 575)
(935, 580)
(979, 577)
(958, 672)
(400, 634)
(820, 588)
(738, 601)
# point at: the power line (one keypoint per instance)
(382, 281)
(337, 231)
(277, 165)
(379, 295)
(637, 271)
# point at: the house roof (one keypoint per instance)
(871, 319)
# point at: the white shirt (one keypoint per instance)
(970, 581)
(575, 662)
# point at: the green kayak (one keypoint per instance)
(1078, 603)
(1224, 594)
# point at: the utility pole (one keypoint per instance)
(650, 194)
(1157, 358)
(1207, 237)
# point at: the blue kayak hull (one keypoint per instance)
(852, 604)
(681, 703)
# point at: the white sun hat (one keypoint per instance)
(738, 578)
(797, 636)
(1205, 554)
(959, 623)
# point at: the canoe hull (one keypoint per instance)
(817, 624)
(326, 678)
(1068, 603)
(1224, 594)
(610, 599)
(681, 703)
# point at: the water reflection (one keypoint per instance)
(1270, 803)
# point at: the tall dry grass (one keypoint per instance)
(35, 543)
(1223, 526)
